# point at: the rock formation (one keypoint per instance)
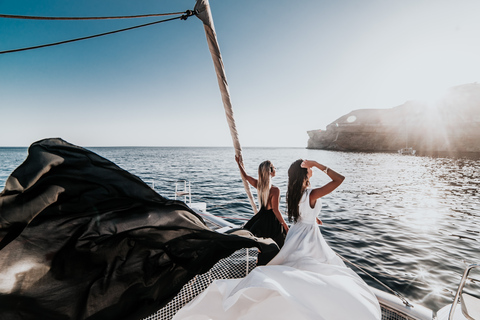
(449, 126)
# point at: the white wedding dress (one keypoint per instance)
(306, 280)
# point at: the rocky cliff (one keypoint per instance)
(449, 126)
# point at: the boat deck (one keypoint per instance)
(241, 262)
(237, 266)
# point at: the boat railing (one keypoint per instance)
(470, 304)
(183, 189)
(185, 192)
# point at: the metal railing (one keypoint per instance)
(459, 293)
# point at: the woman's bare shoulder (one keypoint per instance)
(274, 190)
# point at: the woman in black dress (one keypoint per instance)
(268, 222)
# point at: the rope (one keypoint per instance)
(202, 11)
(183, 17)
(12, 16)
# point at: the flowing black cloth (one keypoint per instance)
(266, 225)
(82, 238)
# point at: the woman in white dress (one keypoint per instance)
(306, 280)
(306, 242)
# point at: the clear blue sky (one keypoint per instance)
(292, 66)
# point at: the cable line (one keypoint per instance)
(12, 16)
(187, 14)
(398, 294)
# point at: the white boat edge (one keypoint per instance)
(390, 301)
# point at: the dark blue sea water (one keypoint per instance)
(411, 222)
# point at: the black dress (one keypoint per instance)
(264, 224)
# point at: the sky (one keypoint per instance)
(291, 66)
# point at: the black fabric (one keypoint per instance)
(266, 225)
(82, 238)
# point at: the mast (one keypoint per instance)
(202, 11)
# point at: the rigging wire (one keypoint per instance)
(398, 294)
(12, 16)
(184, 16)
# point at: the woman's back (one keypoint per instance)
(265, 224)
(307, 213)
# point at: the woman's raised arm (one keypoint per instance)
(336, 177)
(244, 174)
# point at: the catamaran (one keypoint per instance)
(393, 304)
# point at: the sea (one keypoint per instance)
(409, 224)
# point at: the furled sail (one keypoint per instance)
(202, 9)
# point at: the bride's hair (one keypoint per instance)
(264, 183)
(297, 183)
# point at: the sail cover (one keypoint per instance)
(82, 238)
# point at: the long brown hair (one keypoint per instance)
(297, 183)
(264, 183)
